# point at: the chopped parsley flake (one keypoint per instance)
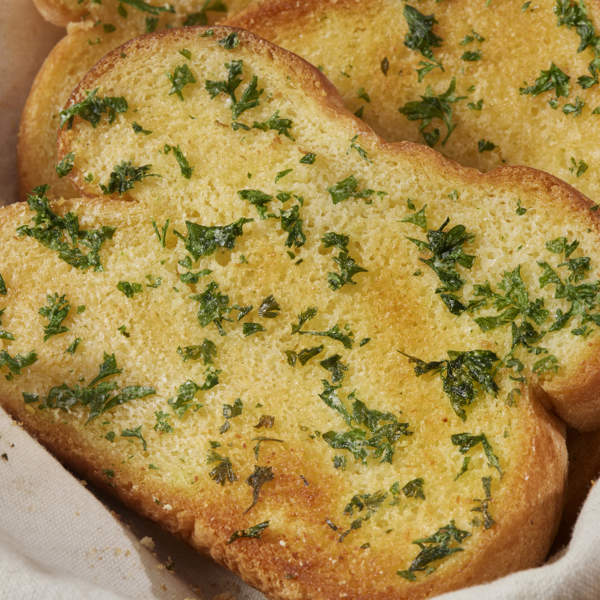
(574, 109)
(251, 328)
(275, 123)
(184, 165)
(129, 289)
(260, 476)
(123, 177)
(230, 42)
(444, 542)
(433, 107)
(223, 471)
(447, 252)
(213, 307)
(464, 375)
(17, 362)
(181, 76)
(471, 55)
(91, 109)
(56, 312)
(63, 234)
(374, 433)
(135, 433)
(335, 366)
(207, 351)
(269, 308)
(552, 79)
(97, 396)
(578, 167)
(420, 34)
(466, 441)
(485, 146)
(308, 159)
(348, 188)
(335, 333)
(139, 129)
(483, 504)
(65, 166)
(250, 96)
(252, 532)
(185, 399)
(203, 241)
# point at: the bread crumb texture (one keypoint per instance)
(293, 440)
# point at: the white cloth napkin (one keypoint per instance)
(59, 542)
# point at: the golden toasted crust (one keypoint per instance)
(84, 45)
(349, 40)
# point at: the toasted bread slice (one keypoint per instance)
(293, 113)
(245, 447)
(490, 50)
(84, 45)
(133, 13)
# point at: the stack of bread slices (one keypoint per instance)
(266, 311)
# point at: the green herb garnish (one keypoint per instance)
(464, 376)
(17, 362)
(466, 441)
(206, 350)
(92, 108)
(250, 96)
(276, 123)
(65, 166)
(269, 308)
(135, 433)
(162, 422)
(431, 107)
(251, 328)
(63, 234)
(123, 177)
(484, 503)
(185, 399)
(184, 165)
(441, 544)
(56, 312)
(420, 34)
(223, 471)
(129, 288)
(181, 76)
(252, 532)
(552, 79)
(260, 476)
(203, 241)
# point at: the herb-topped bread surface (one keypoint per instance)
(119, 13)
(315, 355)
(103, 27)
(255, 125)
(485, 83)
